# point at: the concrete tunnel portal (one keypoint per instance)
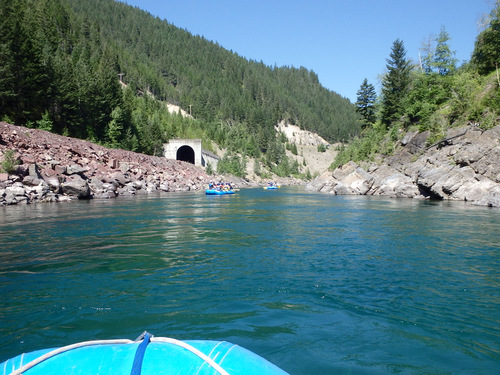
(190, 151)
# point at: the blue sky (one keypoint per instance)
(343, 41)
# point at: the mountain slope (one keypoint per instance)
(104, 71)
(215, 84)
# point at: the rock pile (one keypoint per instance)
(464, 166)
(53, 168)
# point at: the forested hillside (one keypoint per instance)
(61, 60)
(431, 96)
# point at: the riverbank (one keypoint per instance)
(464, 165)
(54, 168)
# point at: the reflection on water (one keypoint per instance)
(315, 283)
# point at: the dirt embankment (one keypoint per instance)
(307, 148)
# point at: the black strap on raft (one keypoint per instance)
(139, 354)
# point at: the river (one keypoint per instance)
(317, 284)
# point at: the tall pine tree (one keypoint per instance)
(395, 84)
(24, 75)
(444, 60)
(365, 104)
(9, 16)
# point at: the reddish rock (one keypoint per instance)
(60, 169)
(48, 172)
(138, 172)
(27, 159)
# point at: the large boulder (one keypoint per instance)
(53, 179)
(491, 198)
(76, 186)
(319, 183)
(358, 182)
(32, 175)
(391, 182)
(119, 178)
(349, 179)
(15, 194)
(75, 169)
(417, 142)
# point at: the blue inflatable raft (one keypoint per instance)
(147, 355)
(218, 192)
(272, 186)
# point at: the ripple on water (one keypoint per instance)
(315, 283)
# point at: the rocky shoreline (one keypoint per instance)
(54, 168)
(464, 166)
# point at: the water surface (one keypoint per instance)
(317, 284)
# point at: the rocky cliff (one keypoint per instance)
(464, 166)
(54, 168)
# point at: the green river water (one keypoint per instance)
(317, 284)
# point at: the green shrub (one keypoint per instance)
(372, 141)
(232, 164)
(9, 163)
(45, 123)
(210, 169)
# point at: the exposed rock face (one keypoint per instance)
(55, 168)
(296, 135)
(465, 166)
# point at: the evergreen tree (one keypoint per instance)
(444, 62)
(233, 164)
(426, 55)
(59, 65)
(45, 123)
(395, 84)
(486, 54)
(431, 87)
(427, 93)
(365, 104)
(24, 75)
(115, 130)
(9, 12)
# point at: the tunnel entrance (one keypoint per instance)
(185, 153)
(188, 150)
